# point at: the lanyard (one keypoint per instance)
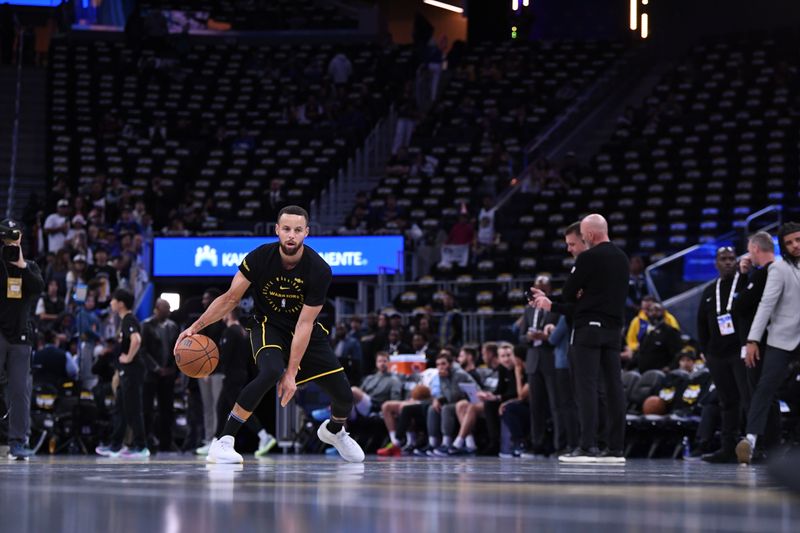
(730, 296)
(535, 318)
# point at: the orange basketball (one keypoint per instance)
(654, 405)
(197, 356)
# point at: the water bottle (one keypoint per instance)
(687, 448)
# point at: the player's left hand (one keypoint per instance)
(286, 388)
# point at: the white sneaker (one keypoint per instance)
(221, 451)
(203, 450)
(346, 446)
(265, 445)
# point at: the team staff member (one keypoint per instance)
(598, 286)
(288, 282)
(22, 284)
(720, 344)
(779, 307)
(755, 265)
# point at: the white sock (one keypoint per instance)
(471, 442)
(393, 438)
(459, 442)
(751, 438)
(411, 439)
(448, 441)
(433, 442)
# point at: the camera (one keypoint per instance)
(9, 230)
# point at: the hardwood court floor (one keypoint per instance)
(299, 494)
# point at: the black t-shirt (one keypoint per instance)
(128, 327)
(279, 294)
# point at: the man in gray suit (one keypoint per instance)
(540, 365)
(779, 307)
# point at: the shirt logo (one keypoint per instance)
(284, 294)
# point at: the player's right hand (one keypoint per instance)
(188, 332)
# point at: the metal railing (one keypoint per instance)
(367, 159)
(12, 172)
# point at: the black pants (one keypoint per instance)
(774, 369)
(227, 398)
(543, 404)
(413, 415)
(159, 423)
(129, 409)
(596, 356)
(566, 409)
(729, 376)
(491, 410)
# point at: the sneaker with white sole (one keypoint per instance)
(142, 453)
(342, 441)
(611, 458)
(203, 450)
(579, 456)
(265, 446)
(222, 452)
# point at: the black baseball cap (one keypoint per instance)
(11, 223)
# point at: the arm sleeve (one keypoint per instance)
(317, 287)
(577, 278)
(772, 292)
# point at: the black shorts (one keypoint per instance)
(270, 341)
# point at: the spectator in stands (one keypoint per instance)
(52, 364)
(87, 327)
(56, 226)
(637, 287)
(488, 404)
(347, 347)
(76, 279)
(377, 388)
(274, 200)
(515, 413)
(660, 344)
(719, 343)
(340, 69)
(49, 306)
(126, 223)
(450, 324)
(103, 276)
(159, 334)
(407, 116)
(394, 343)
(447, 393)
(420, 346)
(58, 270)
(638, 326)
(462, 232)
(467, 358)
(387, 213)
(310, 112)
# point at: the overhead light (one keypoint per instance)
(443, 5)
(634, 15)
(645, 26)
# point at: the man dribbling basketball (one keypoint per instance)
(288, 282)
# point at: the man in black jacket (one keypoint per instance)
(719, 342)
(755, 265)
(159, 334)
(598, 287)
(22, 284)
(660, 344)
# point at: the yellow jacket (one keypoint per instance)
(636, 333)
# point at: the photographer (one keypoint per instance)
(22, 284)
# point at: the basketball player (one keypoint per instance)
(288, 282)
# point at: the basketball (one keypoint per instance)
(197, 356)
(654, 405)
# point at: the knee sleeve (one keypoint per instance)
(270, 369)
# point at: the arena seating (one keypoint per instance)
(272, 15)
(228, 113)
(716, 141)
